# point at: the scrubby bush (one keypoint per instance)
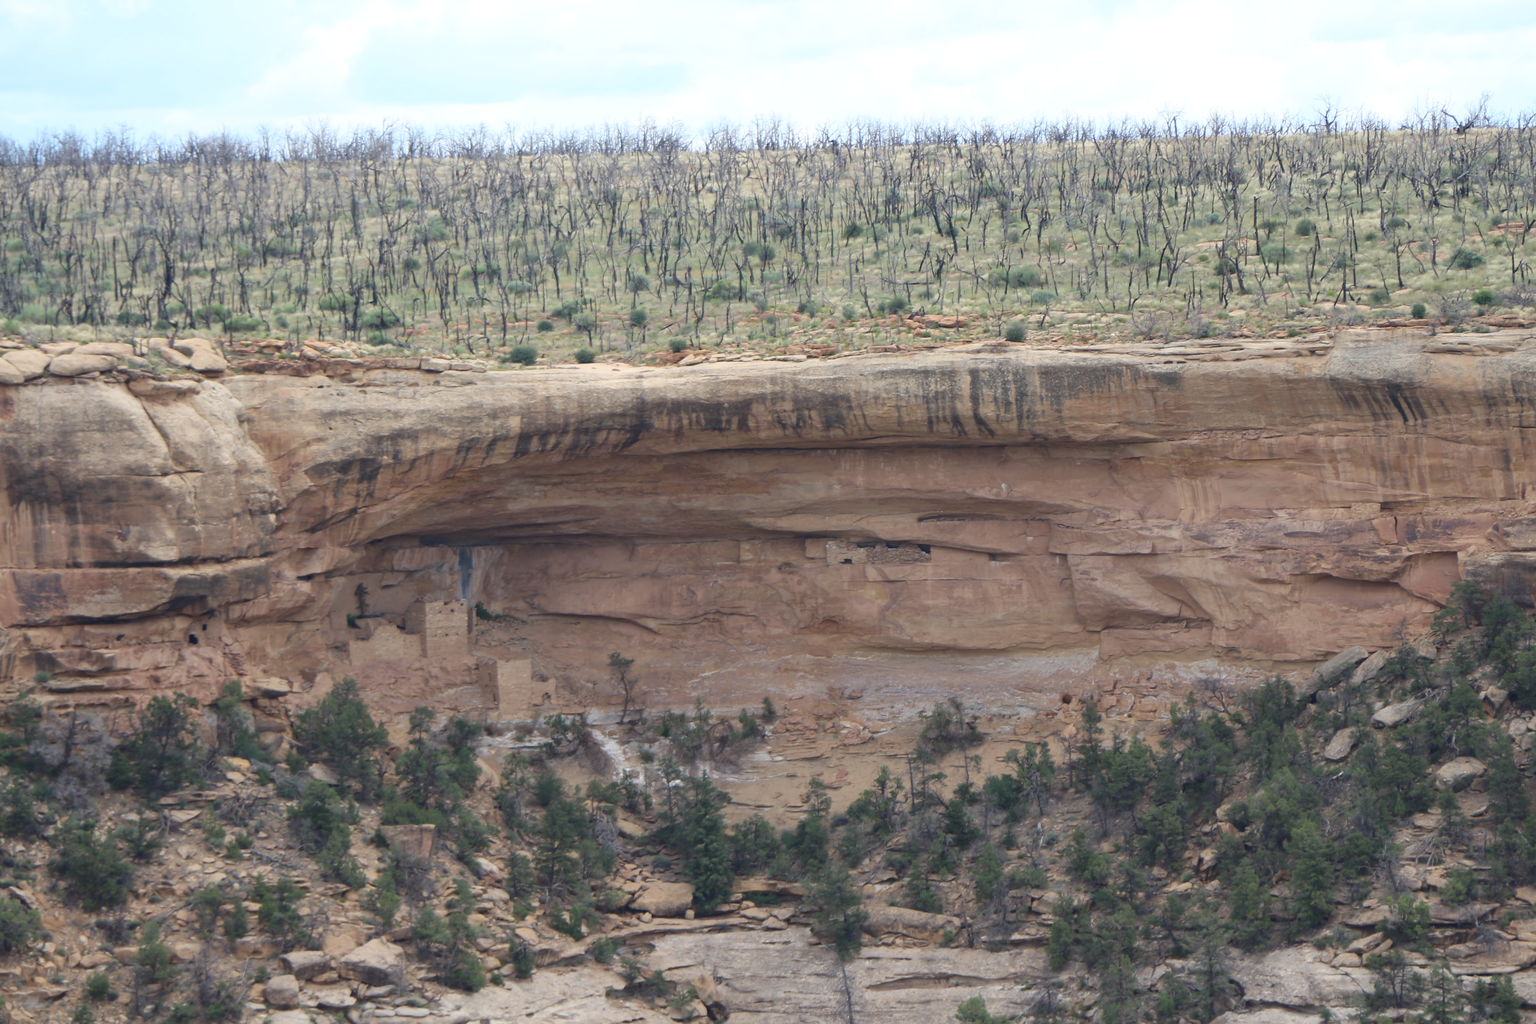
(162, 754)
(585, 355)
(1466, 259)
(341, 732)
(524, 355)
(1015, 332)
(92, 868)
(279, 913)
(20, 926)
(322, 824)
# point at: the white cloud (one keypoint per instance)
(817, 62)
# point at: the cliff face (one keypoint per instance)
(999, 522)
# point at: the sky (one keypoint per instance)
(168, 68)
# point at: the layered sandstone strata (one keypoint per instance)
(1002, 521)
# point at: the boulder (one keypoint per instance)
(1369, 669)
(1340, 746)
(1393, 715)
(1334, 669)
(72, 364)
(664, 899)
(283, 992)
(306, 963)
(485, 869)
(1266, 1015)
(29, 361)
(163, 349)
(323, 773)
(148, 387)
(10, 375)
(1459, 773)
(333, 997)
(116, 349)
(342, 938)
(270, 686)
(415, 841)
(1299, 978)
(885, 919)
(378, 962)
(201, 355)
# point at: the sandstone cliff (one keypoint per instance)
(1000, 521)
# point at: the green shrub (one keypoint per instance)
(678, 345)
(279, 913)
(1483, 297)
(380, 319)
(93, 870)
(837, 911)
(526, 355)
(585, 355)
(1015, 332)
(523, 958)
(19, 811)
(162, 754)
(242, 324)
(98, 987)
(544, 326)
(20, 926)
(1419, 311)
(1306, 227)
(1466, 259)
(322, 823)
(236, 732)
(1016, 277)
(341, 732)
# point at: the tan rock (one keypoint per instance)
(116, 349)
(282, 992)
(342, 938)
(885, 919)
(306, 964)
(1045, 516)
(378, 962)
(664, 899)
(1393, 715)
(31, 362)
(1459, 773)
(1342, 743)
(1370, 668)
(76, 365)
(1335, 669)
(10, 374)
(1372, 943)
(416, 841)
(202, 355)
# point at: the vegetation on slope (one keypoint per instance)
(1383, 814)
(626, 240)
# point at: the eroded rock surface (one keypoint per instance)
(1003, 523)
